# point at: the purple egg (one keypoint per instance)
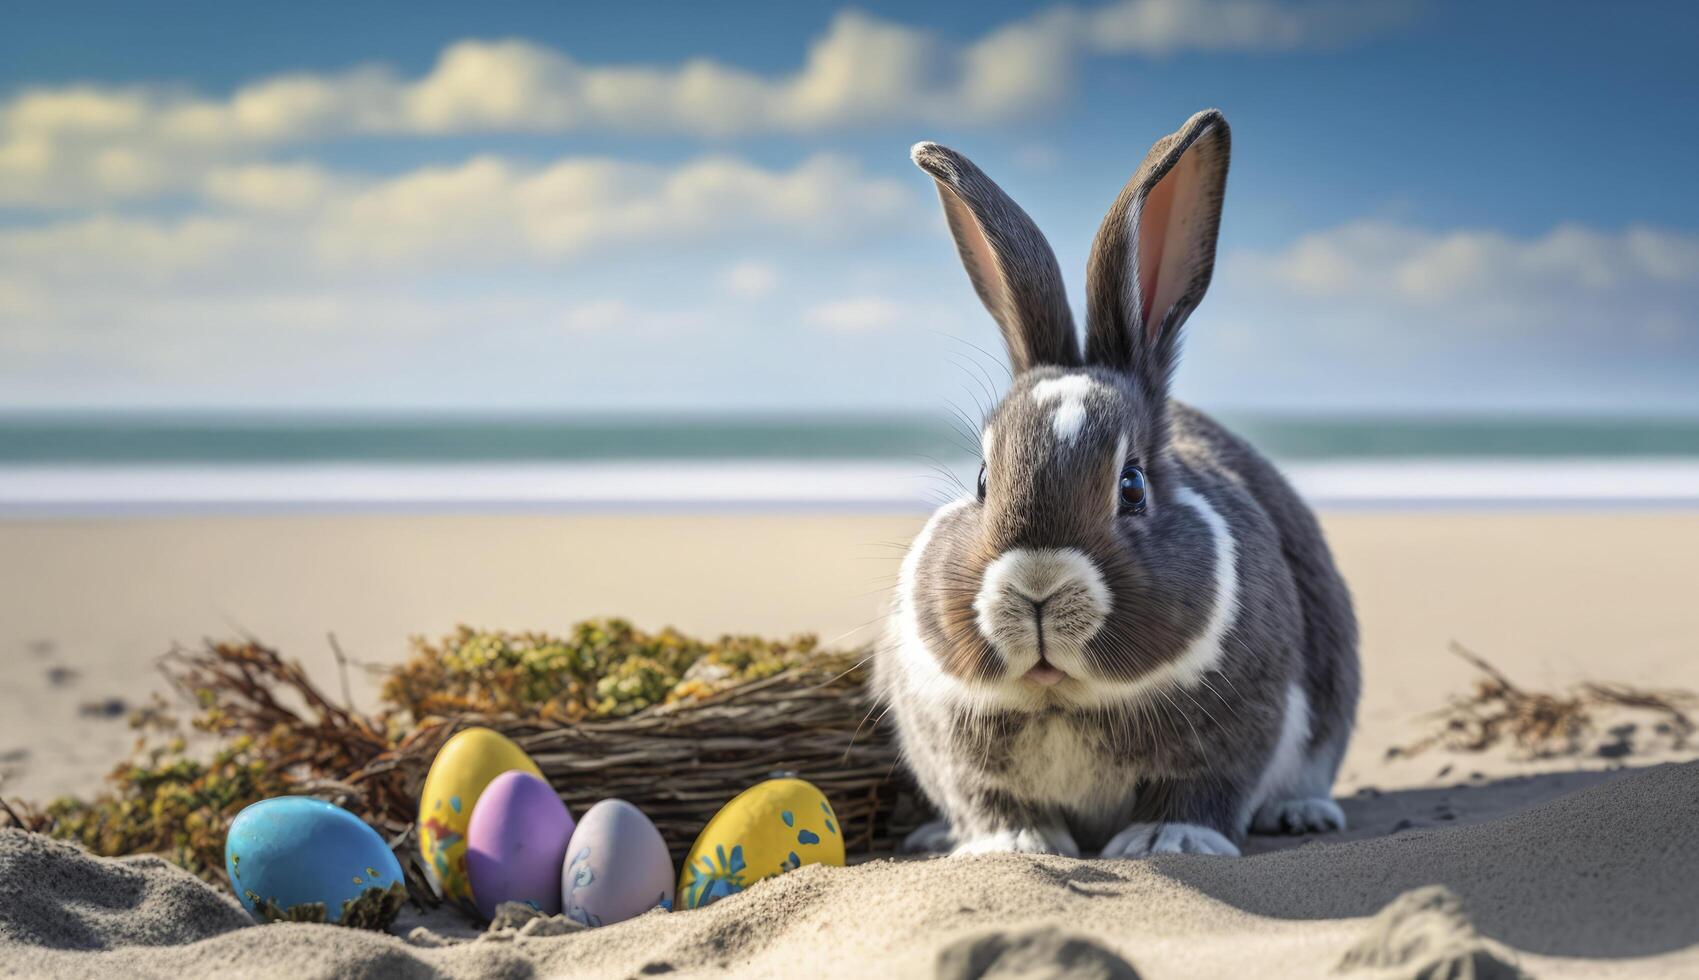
(515, 843)
(617, 866)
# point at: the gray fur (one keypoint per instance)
(1120, 333)
(1018, 281)
(1147, 728)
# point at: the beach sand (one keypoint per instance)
(1592, 884)
(1576, 865)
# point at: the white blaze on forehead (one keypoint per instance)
(1070, 391)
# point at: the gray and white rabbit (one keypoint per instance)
(1132, 640)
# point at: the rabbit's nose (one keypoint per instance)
(1040, 605)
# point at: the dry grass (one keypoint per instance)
(1542, 725)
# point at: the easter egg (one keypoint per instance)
(297, 859)
(463, 767)
(617, 866)
(515, 843)
(768, 829)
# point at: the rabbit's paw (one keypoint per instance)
(931, 838)
(1145, 839)
(1019, 842)
(1303, 816)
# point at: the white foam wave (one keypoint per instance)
(869, 485)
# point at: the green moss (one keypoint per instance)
(169, 804)
(374, 909)
(268, 911)
(602, 669)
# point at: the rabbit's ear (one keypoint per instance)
(1011, 265)
(1153, 256)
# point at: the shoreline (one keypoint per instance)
(873, 486)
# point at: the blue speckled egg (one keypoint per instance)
(295, 858)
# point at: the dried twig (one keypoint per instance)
(1542, 724)
(341, 670)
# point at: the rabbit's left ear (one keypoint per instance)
(1153, 256)
(1007, 259)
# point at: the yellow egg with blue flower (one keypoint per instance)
(768, 829)
(463, 767)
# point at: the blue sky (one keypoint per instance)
(1433, 207)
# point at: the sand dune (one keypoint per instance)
(1603, 881)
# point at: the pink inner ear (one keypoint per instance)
(1153, 240)
(1167, 223)
(979, 255)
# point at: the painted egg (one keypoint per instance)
(767, 830)
(297, 859)
(515, 843)
(463, 767)
(617, 866)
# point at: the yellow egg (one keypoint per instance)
(767, 830)
(463, 767)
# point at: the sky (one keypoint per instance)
(1434, 208)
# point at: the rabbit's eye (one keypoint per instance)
(981, 482)
(1132, 490)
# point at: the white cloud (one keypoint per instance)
(488, 207)
(618, 314)
(73, 145)
(89, 252)
(488, 211)
(857, 314)
(1379, 313)
(270, 187)
(1572, 277)
(1160, 27)
(751, 279)
(279, 254)
(237, 306)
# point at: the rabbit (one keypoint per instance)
(1132, 638)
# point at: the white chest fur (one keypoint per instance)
(1053, 762)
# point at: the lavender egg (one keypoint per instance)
(515, 843)
(617, 866)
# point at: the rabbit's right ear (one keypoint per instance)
(1007, 258)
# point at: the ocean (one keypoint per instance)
(71, 464)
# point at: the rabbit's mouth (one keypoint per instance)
(1038, 608)
(1045, 674)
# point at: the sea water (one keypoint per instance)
(112, 463)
